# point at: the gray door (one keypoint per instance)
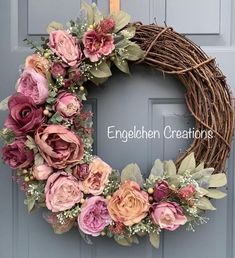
(143, 99)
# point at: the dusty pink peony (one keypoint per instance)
(67, 104)
(42, 172)
(16, 155)
(97, 45)
(107, 25)
(59, 146)
(161, 191)
(62, 192)
(99, 172)
(25, 116)
(58, 69)
(34, 85)
(65, 46)
(94, 216)
(187, 192)
(168, 215)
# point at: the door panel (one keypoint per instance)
(146, 99)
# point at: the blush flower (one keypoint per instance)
(38, 63)
(59, 146)
(94, 216)
(42, 172)
(25, 116)
(97, 45)
(65, 46)
(34, 85)
(107, 25)
(62, 192)
(97, 178)
(16, 155)
(129, 204)
(168, 215)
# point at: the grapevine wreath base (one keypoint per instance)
(48, 134)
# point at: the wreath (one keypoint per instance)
(48, 135)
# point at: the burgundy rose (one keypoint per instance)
(67, 83)
(58, 69)
(75, 75)
(107, 25)
(17, 155)
(59, 146)
(161, 191)
(24, 115)
(81, 171)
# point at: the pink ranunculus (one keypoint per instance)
(107, 25)
(161, 191)
(187, 192)
(94, 216)
(16, 155)
(42, 172)
(168, 215)
(34, 85)
(59, 146)
(25, 116)
(99, 172)
(67, 104)
(57, 69)
(97, 45)
(62, 192)
(65, 46)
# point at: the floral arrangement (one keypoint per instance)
(48, 142)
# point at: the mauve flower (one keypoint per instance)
(67, 104)
(168, 215)
(129, 204)
(97, 45)
(67, 83)
(59, 146)
(42, 172)
(161, 191)
(94, 216)
(81, 171)
(62, 192)
(58, 69)
(75, 75)
(25, 116)
(37, 62)
(65, 46)
(99, 172)
(187, 192)
(34, 85)
(16, 155)
(107, 25)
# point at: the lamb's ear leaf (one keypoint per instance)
(188, 163)
(218, 180)
(154, 239)
(204, 204)
(4, 104)
(54, 26)
(157, 169)
(215, 194)
(132, 172)
(170, 168)
(89, 12)
(123, 240)
(121, 19)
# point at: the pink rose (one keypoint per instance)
(16, 155)
(107, 25)
(187, 192)
(97, 44)
(24, 117)
(42, 172)
(65, 46)
(94, 216)
(161, 191)
(38, 63)
(59, 146)
(67, 104)
(34, 85)
(98, 176)
(81, 171)
(62, 192)
(58, 69)
(168, 215)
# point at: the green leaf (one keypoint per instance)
(128, 32)
(4, 104)
(170, 168)
(132, 172)
(215, 194)
(54, 26)
(201, 192)
(89, 12)
(204, 204)
(157, 169)
(38, 160)
(204, 173)
(101, 71)
(63, 228)
(30, 143)
(154, 239)
(99, 81)
(122, 65)
(198, 168)
(56, 119)
(121, 19)
(188, 163)
(133, 52)
(218, 180)
(122, 240)
(30, 202)
(97, 14)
